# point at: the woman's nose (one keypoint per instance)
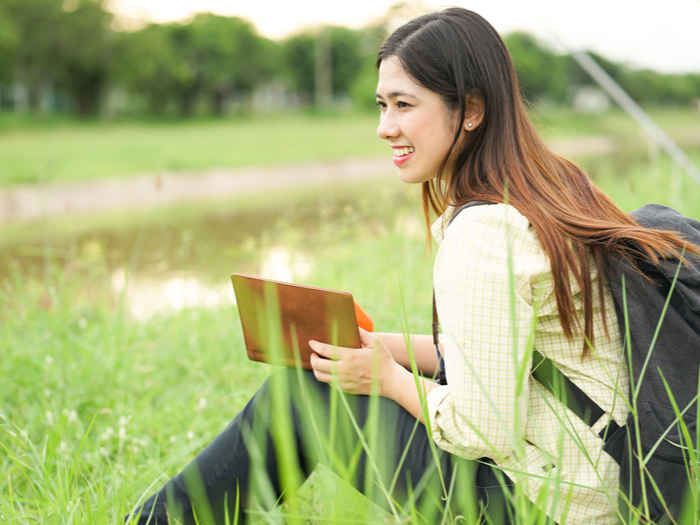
(387, 128)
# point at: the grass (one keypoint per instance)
(98, 410)
(48, 149)
(69, 151)
(99, 406)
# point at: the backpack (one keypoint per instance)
(674, 357)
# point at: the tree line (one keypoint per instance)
(71, 50)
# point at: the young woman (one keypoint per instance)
(522, 272)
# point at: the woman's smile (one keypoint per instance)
(402, 154)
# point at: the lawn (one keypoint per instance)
(70, 151)
(97, 410)
(35, 150)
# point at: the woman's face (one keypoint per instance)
(414, 121)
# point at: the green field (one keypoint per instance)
(97, 409)
(80, 151)
(35, 150)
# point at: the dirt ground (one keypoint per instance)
(32, 202)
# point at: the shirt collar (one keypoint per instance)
(440, 225)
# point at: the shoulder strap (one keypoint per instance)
(441, 378)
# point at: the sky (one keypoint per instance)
(659, 35)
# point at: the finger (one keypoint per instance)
(323, 377)
(321, 364)
(325, 350)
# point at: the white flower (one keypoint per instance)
(72, 415)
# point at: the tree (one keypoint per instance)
(298, 57)
(542, 74)
(188, 81)
(9, 42)
(84, 57)
(151, 65)
(347, 58)
(231, 58)
(365, 81)
(35, 27)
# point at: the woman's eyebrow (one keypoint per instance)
(395, 94)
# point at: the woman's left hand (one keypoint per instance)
(355, 368)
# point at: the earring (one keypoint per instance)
(469, 124)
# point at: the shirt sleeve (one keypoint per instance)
(482, 295)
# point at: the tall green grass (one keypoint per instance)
(97, 410)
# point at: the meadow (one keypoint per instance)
(49, 149)
(98, 409)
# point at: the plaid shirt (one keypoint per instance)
(495, 298)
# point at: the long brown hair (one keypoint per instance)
(455, 52)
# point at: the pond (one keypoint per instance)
(156, 265)
(186, 261)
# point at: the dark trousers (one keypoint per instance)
(292, 423)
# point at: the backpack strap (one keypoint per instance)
(543, 370)
(441, 378)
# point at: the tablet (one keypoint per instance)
(278, 319)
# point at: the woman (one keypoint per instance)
(507, 278)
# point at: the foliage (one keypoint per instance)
(149, 65)
(60, 48)
(211, 56)
(33, 24)
(70, 50)
(9, 42)
(347, 56)
(298, 59)
(87, 47)
(231, 59)
(541, 72)
(363, 88)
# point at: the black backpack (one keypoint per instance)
(674, 291)
(671, 302)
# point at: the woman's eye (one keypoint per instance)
(402, 104)
(380, 104)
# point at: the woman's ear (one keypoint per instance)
(474, 108)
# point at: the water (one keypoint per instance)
(163, 267)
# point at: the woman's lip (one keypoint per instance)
(400, 160)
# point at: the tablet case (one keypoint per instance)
(278, 317)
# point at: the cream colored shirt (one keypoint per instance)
(490, 314)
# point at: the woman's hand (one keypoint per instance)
(356, 368)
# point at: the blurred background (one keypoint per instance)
(175, 142)
(150, 148)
